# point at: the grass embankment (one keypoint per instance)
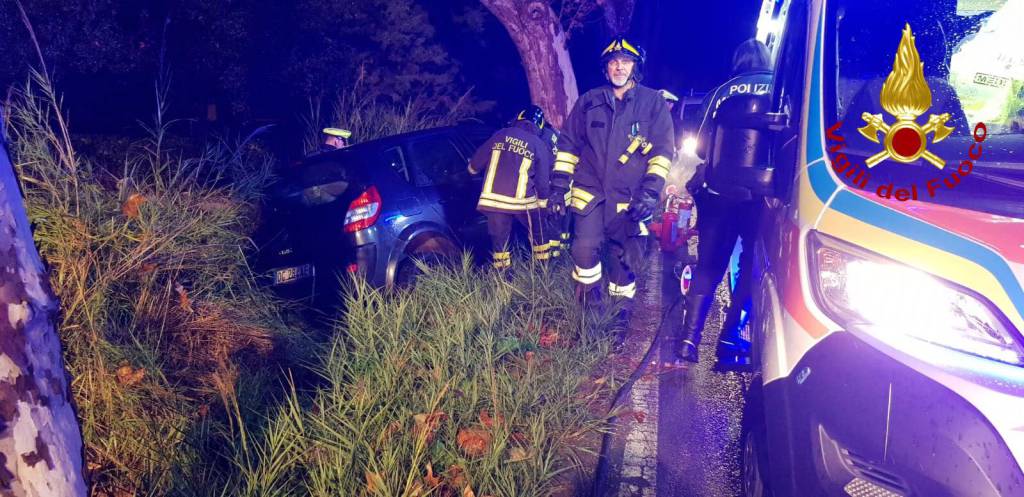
(181, 367)
(167, 342)
(465, 385)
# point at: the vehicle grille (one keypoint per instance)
(877, 479)
(864, 488)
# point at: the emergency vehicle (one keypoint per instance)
(888, 315)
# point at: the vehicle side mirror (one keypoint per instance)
(738, 156)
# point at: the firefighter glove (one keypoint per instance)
(643, 204)
(556, 202)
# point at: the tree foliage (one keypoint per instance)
(255, 58)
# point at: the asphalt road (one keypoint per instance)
(686, 442)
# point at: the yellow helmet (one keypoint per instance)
(343, 133)
(620, 45)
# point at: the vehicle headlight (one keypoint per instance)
(859, 289)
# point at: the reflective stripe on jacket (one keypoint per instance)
(517, 163)
(609, 149)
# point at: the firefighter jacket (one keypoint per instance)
(550, 135)
(518, 167)
(610, 149)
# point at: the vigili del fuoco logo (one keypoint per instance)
(905, 96)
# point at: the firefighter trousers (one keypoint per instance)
(591, 234)
(500, 225)
(557, 231)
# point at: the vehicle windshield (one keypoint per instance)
(886, 108)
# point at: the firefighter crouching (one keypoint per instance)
(616, 150)
(517, 163)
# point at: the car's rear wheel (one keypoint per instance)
(409, 270)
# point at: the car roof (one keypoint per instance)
(372, 146)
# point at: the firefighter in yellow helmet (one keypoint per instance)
(616, 148)
(335, 139)
(517, 162)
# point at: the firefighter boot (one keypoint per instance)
(590, 299)
(732, 352)
(697, 307)
(621, 324)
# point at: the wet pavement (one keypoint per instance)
(685, 439)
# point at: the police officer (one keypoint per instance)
(616, 149)
(335, 139)
(721, 221)
(518, 164)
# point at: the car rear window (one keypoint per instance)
(318, 182)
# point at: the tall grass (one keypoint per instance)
(467, 385)
(371, 118)
(164, 334)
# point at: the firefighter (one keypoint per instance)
(335, 139)
(616, 150)
(721, 221)
(557, 228)
(518, 164)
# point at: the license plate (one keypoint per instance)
(290, 274)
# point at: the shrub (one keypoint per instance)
(164, 333)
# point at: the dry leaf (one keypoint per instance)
(473, 441)
(516, 454)
(488, 421)
(548, 338)
(131, 206)
(432, 481)
(468, 492)
(183, 300)
(374, 483)
(457, 476)
(128, 376)
(427, 425)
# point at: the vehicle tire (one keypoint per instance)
(753, 445)
(409, 271)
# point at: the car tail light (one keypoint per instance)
(363, 211)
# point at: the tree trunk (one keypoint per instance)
(40, 442)
(535, 29)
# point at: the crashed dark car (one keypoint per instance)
(373, 209)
